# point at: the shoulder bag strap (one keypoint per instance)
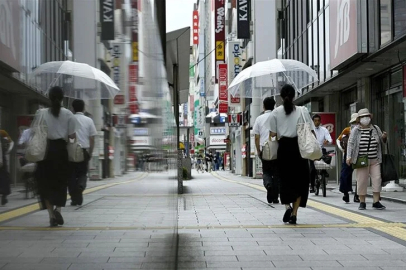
(381, 142)
(301, 110)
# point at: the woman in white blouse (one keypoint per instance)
(293, 169)
(52, 173)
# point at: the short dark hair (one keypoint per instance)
(269, 103)
(316, 116)
(78, 105)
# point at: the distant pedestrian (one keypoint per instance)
(293, 169)
(346, 171)
(261, 130)
(85, 134)
(364, 141)
(53, 172)
(6, 145)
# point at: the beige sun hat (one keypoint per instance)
(354, 117)
(363, 112)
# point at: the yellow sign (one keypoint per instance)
(220, 52)
(135, 51)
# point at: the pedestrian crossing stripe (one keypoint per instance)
(396, 230)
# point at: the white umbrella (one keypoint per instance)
(270, 75)
(78, 80)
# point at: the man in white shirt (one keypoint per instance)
(261, 130)
(324, 138)
(85, 135)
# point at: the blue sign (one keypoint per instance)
(136, 120)
(202, 90)
(140, 131)
(222, 119)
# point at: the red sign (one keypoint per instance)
(195, 27)
(219, 33)
(133, 73)
(328, 120)
(119, 100)
(227, 140)
(134, 28)
(235, 99)
(223, 91)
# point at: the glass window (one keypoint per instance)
(304, 51)
(315, 48)
(321, 48)
(292, 24)
(327, 47)
(396, 78)
(386, 21)
(315, 4)
(300, 49)
(310, 47)
(400, 17)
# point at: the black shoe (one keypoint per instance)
(356, 198)
(80, 199)
(288, 213)
(58, 218)
(276, 201)
(4, 200)
(377, 205)
(346, 198)
(362, 206)
(312, 190)
(53, 223)
(73, 203)
(292, 219)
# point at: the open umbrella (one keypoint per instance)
(78, 80)
(268, 76)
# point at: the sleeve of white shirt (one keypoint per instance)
(327, 136)
(255, 129)
(92, 129)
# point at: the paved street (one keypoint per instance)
(223, 223)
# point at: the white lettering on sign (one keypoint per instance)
(6, 27)
(243, 14)
(343, 25)
(220, 20)
(108, 11)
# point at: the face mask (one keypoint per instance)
(365, 121)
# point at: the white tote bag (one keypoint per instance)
(308, 145)
(270, 149)
(75, 151)
(37, 144)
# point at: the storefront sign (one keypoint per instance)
(234, 65)
(10, 33)
(217, 140)
(223, 91)
(343, 31)
(119, 100)
(132, 91)
(219, 34)
(217, 130)
(107, 19)
(243, 19)
(144, 140)
(202, 90)
(234, 120)
(134, 28)
(328, 120)
(140, 132)
(195, 27)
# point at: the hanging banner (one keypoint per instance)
(219, 34)
(107, 19)
(243, 19)
(234, 65)
(223, 91)
(195, 27)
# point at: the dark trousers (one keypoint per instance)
(346, 177)
(78, 179)
(270, 179)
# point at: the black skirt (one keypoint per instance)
(5, 179)
(52, 174)
(293, 172)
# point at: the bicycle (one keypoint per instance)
(327, 162)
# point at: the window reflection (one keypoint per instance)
(386, 21)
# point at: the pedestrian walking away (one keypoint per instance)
(261, 130)
(324, 138)
(364, 152)
(6, 145)
(346, 170)
(85, 133)
(293, 169)
(53, 172)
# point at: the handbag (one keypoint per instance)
(362, 161)
(388, 168)
(37, 144)
(270, 149)
(75, 151)
(308, 145)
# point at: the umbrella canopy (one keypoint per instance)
(78, 80)
(269, 76)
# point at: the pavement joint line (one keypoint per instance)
(396, 229)
(15, 213)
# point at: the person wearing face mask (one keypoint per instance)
(324, 138)
(365, 141)
(346, 171)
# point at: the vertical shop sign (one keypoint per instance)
(134, 29)
(132, 91)
(195, 27)
(107, 19)
(243, 19)
(219, 34)
(234, 65)
(133, 71)
(223, 91)
(202, 92)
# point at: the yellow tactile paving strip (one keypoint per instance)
(396, 230)
(35, 206)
